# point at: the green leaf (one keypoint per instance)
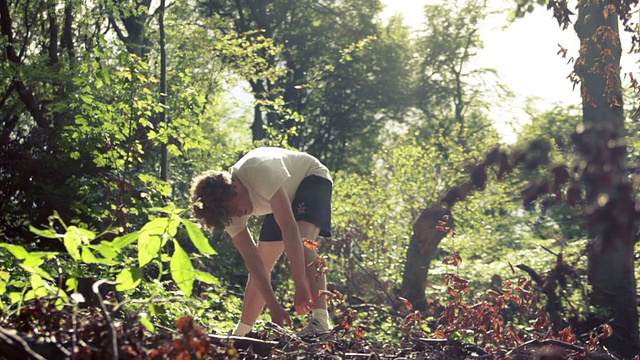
(18, 283)
(38, 286)
(16, 250)
(170, 209)
(15, 297)
(106, 249)
(129, 278)
(39, 271)
(121, 242)
(174, 223)
(148, 248)
(32, 261)
(144, 320)
(87, 99)
(89, 258)
(72, 243)
(104, 72)
(46, 233)
(71, 284)
(5, 276)
(197, 238)
(182, 269)
(157, 226)
(29, 295)
(205, 277)
(75, 238)
(85, 236)
(154, 235)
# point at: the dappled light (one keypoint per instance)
(398, 224)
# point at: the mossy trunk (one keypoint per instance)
(428, 230)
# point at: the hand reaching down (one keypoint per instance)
(303, 302)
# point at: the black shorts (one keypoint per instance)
(311, 203)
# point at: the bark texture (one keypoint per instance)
(610, 212)
(428, 230)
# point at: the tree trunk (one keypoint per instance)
(26, 95)
(428, 230)
(609, 201)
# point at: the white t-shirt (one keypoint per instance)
(264, 170)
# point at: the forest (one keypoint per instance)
(448, 242)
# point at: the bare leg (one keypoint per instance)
(270, 252)
(253, 303)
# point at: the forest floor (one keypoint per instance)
(42, 330)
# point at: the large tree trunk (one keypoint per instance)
(428, 230)
(609, 201)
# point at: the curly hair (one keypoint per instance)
(211, 193)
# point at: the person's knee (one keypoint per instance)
(308, 230)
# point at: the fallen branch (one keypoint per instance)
(260, 347)
(12, 343)
(425, 341)
(552, 346)
(14, 346)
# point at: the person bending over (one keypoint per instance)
(293, 190)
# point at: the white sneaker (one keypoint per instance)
(313, 329)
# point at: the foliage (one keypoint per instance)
(134, 339)
(449, 96)
(399, 118)
(111, 258)
(331, 87)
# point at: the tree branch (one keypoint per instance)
(25, 94)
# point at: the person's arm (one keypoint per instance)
(281, 207)
(252, 260)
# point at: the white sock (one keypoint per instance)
(322, 315)
(242, 329)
